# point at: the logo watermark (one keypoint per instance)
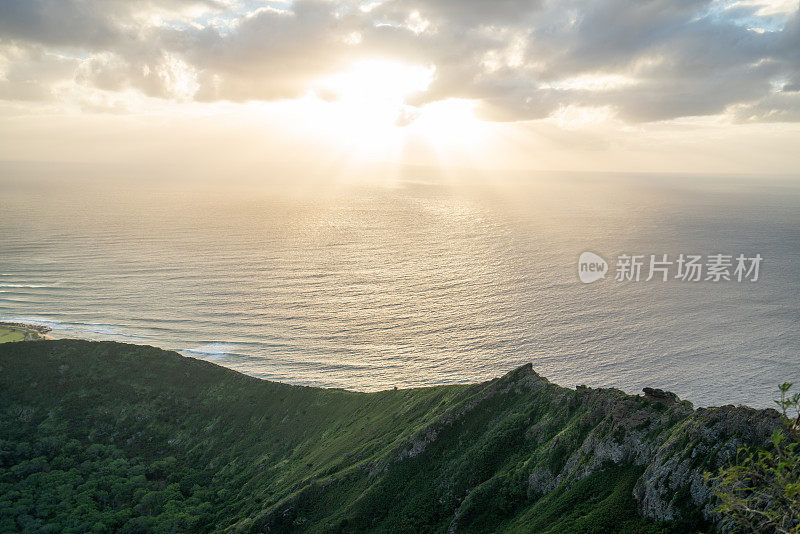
(663, 267)
(591, 267)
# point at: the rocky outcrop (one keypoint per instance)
(705, 440)
(659, 395)
(41, 329)
(673, 442)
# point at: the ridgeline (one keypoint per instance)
(110, 437)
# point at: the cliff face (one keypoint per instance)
(597, 430)
(205, 448)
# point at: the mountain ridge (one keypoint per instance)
(210, 449)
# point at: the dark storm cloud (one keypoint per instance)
(520, 59)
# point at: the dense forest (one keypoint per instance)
(110, 437)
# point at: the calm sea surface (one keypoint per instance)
(414, 284)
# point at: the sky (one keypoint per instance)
(260, 88)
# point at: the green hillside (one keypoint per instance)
(8, 335)
(109, 437)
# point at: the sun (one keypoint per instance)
(368, 112)
(378, 83)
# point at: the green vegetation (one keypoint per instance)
(109, 437)
(760, 491)
(10, 334)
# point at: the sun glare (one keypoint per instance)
(451, 120)
(378, 82)
(368, 111)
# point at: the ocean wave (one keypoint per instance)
(92, 331)
(34, 320)
(213, 349)
(37, 286)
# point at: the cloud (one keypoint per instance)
(647, 60)
(90, 24)
(31, 73)
(271, 54)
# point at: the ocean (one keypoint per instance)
(411, 283)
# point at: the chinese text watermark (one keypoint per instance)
(663, 267)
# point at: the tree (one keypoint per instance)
(760, 491)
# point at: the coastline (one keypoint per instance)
(29, 332)
(40, 332)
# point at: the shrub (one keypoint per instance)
(760, 491)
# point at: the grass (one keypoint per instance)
(110, 437)
(11, 334)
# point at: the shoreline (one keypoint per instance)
(29, 332)
(34, 332)
(656, 395)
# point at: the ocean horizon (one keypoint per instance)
(417, 283)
